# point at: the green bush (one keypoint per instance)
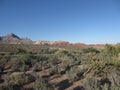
(90, 50)
(115, 62)
(20, 63)
(21, 51)
(18, 79)
(54, 70)
(67, 62)
(115, 78)
(11, 87)
(37, 67)
(97, 65)
(110, 50)
(91, 84)
(1, 69)
(74, 74)
(41, 84)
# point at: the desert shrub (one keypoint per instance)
(110, 50)
(115, 87)
(54, 70)
(83, 68)
(21, 51)
(74, 74)
(1, 79)
(53, 60)
(18, 79)
(105, 87)
(1, 69)
(67, 62)
(44, 50)
(37, 67)
(44, 65)
(90, 50)
(117, 48)
(15, 64)
(91, 84)
(115, 62)
(7, 79)
(20, 63)
(115, 78)
(77, 60)
(19, 66)
(71, 76)
(97, 65)
(95, 84)
(4, 60)
(41, 84)
(24, 57)
(24, 68)
(36, 60)
(11, 87)
(51, 51)
(61, 53)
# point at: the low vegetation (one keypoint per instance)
(32, 67)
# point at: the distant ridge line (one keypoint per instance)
(14, 39)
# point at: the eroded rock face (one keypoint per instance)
(43, 43)
(79, 44)
(61, 43)
(64, 43)
(56, 43)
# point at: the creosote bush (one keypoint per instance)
(74, 74)
(41, 84)
(54, 70)
(18, 79)
(91, 84)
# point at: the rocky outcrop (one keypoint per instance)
(55, 43)
(43, 43)
(79, 44)
(63, 43)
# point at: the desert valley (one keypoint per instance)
(57, 65)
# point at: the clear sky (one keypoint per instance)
(85, 21)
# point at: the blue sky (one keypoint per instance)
(85, 21)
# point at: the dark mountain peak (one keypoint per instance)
(11, 38)
(12, 35)
(0, 38)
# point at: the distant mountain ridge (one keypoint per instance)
(14, 39)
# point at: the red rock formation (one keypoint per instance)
(64, 43)
(79, 44)
(61, 43)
